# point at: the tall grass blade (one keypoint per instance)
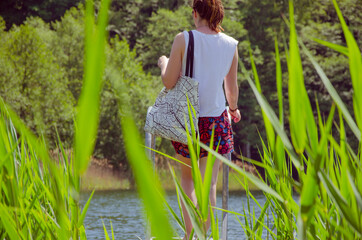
(105, 232)
(180, 208)
(309, 192)
(268, 126)
(168, 156)
(280, 159)
(276, 124)
(357, 194)
(296, 90)
(262, 216)
(192, 117)
(190, 208)
(9, 224)
(355, 67)
(255, 180)
(207, 179)
(195, 171)
(246, 223)
(340, 203)
(112, 231)
(333, 93)
(85, 209)
(148, 185)
(336, 47)
(89, 100)
(325, 132)
(174, 215)
(214, 225)
(279, 81)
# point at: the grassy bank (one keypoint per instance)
(101, 178)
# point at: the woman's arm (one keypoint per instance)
(232, 89)
(171, 67)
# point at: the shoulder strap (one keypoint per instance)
(190, 56)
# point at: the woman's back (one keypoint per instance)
(213, 55)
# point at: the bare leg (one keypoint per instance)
(187, 185)
(215, 171)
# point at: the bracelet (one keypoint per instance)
(233, 110)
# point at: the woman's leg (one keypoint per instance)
(187, 185)
(215, 171)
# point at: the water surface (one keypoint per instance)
(124, 210)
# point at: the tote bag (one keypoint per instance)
(169, 114)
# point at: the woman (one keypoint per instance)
(215, 63)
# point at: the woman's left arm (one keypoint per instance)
(171, 67)
(232, 88)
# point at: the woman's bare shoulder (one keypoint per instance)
(179, 39)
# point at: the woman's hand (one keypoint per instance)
(235, 115)
(162, 62)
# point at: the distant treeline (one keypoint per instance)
(41, 60)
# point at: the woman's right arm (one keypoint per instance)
(232, 89)
(171, 67)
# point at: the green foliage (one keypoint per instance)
(42, 74)
(68, 47)
(129, 19)
(323, 24)
(160, 36)
(32, 80)
(125, 81)
(16, 11)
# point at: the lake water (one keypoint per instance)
(124, 210)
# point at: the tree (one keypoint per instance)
(33, 84)
(16, 11)
(129, 19)
(159, 38)
(68, 47)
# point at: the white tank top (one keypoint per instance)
(213, 55)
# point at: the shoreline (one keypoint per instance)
(101, 176)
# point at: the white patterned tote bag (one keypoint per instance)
(167, 116)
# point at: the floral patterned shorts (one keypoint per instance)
(222, 133)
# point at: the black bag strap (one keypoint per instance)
(190, 56)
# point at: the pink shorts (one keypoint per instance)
(222, 134)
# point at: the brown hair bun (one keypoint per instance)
(212, 11)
